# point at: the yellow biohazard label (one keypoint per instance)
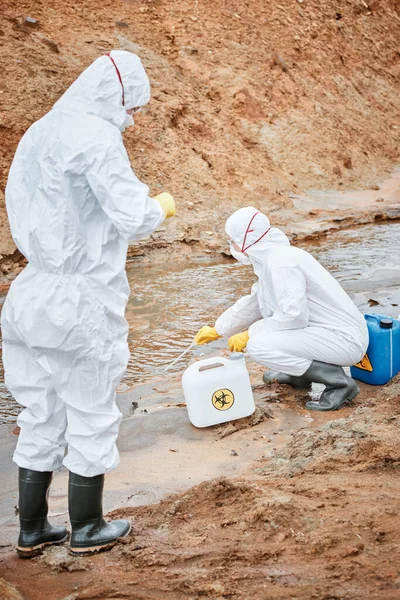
(365, 364)
(223, 399)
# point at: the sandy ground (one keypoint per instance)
(285, 504)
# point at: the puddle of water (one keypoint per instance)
(8, 408)
(170, 303)
(366, 264)
(167, 308)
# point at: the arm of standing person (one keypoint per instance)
(122, 196)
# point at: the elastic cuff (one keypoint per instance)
(38, 465)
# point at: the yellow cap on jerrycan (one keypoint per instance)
(218, 390)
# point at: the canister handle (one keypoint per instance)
(374, 317)
(212, 366)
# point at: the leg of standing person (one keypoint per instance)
(41, 442)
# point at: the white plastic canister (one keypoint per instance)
(218, 390)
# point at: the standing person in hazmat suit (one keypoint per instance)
(297, 320)
(74, 204)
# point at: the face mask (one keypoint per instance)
(128, 122)
(240, 257)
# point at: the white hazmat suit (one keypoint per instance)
(296, 312)
(74, 203)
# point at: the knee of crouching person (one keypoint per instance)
(259, 349)
(252, 346)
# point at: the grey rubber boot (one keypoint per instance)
(90, 532)
(35, 530)
(300, 383)
(340, 388)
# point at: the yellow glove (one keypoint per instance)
(205, 335)
(167, 204)
(238, 342)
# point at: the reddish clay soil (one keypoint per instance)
(318, 520)
(251, 101)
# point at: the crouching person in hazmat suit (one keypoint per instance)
(74, 204)
(297, 321)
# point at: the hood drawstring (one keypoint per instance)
(248, 230)
(119, 77)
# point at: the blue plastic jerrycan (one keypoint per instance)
(382, 359)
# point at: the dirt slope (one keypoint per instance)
(251, 100)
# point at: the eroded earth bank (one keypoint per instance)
(291, 106)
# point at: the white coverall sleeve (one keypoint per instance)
(240, 316)
(124, 198)
(290, 289)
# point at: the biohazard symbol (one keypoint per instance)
(365, 364)
(223, 399)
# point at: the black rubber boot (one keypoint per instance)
(300, 383)
(340, 388)
(36, 532)
(90, 532)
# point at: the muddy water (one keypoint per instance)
(167, 308)
(169, 304)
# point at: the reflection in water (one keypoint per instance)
(170, 307)
(170, 303)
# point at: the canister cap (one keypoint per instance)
(236, 356)
(386, 323)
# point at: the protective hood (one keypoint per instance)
(252, 232)
(99, 91)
